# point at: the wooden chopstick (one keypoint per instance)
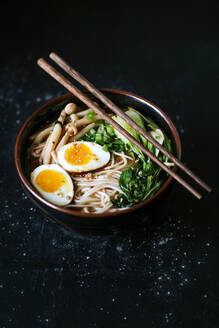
(79, 94)
(98, 94)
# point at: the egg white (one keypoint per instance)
(62, 196)
(100, 158)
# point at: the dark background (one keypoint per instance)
(162, 271)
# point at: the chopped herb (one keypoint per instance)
(105, 148)
(92, 131)
(110, 130)
(104, 134)
(90, 115)
(121, 201)
(137, 183)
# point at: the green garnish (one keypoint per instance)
(90, 115)
(105, 148)
(104, 134)
(137, 184)
(141, 181)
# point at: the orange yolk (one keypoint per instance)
(50, 181)
(78, 154)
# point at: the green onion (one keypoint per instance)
(105, 148)
(92, 131)
(90, 115)
(110, 130)
(106, 139)
(99, 138)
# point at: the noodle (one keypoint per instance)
(104, 189)
(101, 187)
(94, 191)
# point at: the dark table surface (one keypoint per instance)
(161, 271)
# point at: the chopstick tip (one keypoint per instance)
(52, 55)
(40, 61)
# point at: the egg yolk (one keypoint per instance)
(50, 181)
(78, 154)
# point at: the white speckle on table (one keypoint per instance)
(164, 241)
(48, 96)
(119, 248)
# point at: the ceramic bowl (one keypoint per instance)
(48, 112)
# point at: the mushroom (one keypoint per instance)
(70, 127)
(54, 137)
(85, 120)
(83, 131)
(56, 133)
(42, 135)
(70, 108)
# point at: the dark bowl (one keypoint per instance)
(49, 111)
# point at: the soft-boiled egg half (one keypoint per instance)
(82, 156)
(53, 183)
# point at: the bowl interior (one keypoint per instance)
(50, 112)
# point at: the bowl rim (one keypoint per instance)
(70, 211)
